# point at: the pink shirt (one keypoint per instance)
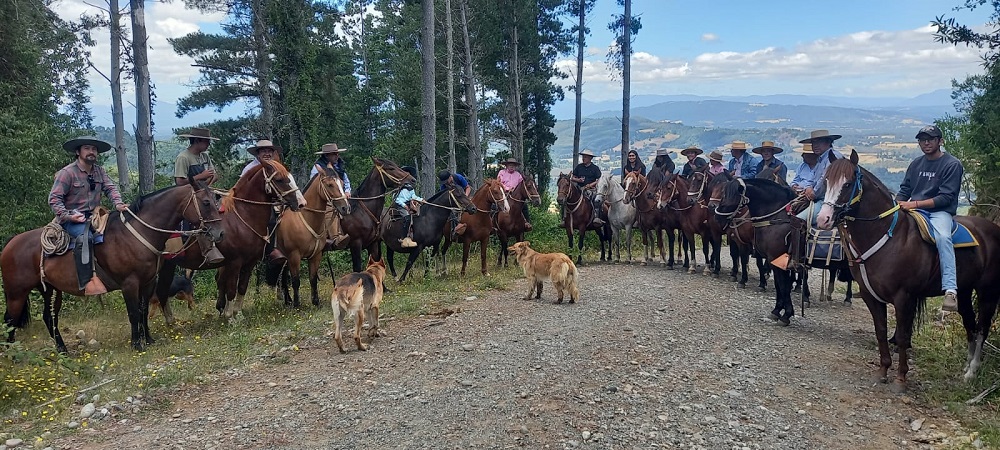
(716, 169)
(509, 179)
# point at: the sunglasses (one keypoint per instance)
(93, 183)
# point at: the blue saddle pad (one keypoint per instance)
(960, 235)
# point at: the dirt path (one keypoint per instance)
(649, 358)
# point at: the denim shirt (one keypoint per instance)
(819, 187)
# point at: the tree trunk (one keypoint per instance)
(516, 125)
(626, 81)
(427, 156)
(263, 63)
(118, 116)
(474, 172)
(450, 72)
(580, 44)
(144, 117)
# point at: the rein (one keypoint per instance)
(451, 193)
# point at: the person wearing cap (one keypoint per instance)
(510, 177)
(694, 162)
(932, 183)
(767, 150)
(804, 174)
(586, 175)
(822, 146)
(265, 150)
(75, 193)
(633, 164)
(742, 165)
(715, 166)
(447, 179)
(330, 160)
(407, 202)
(195, 157)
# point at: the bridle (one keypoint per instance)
(569, 188)
(527, 194)
(191, 200)
(673, 193)
(454, 200)
(701, 187)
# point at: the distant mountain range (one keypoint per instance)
(165, 119)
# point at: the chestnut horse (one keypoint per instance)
(302, 234)
(367, 203)
(247, 209)
(895, 266)
(489, 199)
(511, 224)
(640, 192)
(693, 217)
(127, 260)
(577, 218)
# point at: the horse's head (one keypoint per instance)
(497, 195)
(531, 191)
(203, 211)
(603, 189)
(633, 184)
(843, 190)
(563, 187)
(698, 181)
(715, 189)
(278, 185)
(461, 200)
(391, 174)
(333, 191)
(732, 198)
(672, 191)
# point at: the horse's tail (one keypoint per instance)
(272, 273)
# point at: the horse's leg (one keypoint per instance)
(693, 247)
(390, 256)
(763, 269)
(878, 312)
(502, 239)
(569, 238)
(163, 280)
(783, 287)
(830, 284)
(716, 256)
(706, 244)
(51, 316)
(285, 284)
(465, 255)
(295, 271)
(579, 245)
(314, 264)
(665, 259)
(356, 264)
(904, 330)
(778, 304)
(241, 287)
(415, 252)
(850, 295)
(130, 292)
(483, 247)
(804, 279)
(744, 263)
(145, 292)
(734, 254)
(628, 241)
(229, 277)
(987, 310)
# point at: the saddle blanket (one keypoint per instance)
(960, 235)
(823, 245)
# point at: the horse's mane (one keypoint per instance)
(845, 169)
(773, 189)
(137, 204)
(436, 195)
(720, 178)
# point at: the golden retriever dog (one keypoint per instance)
(538, 267)
(359, 292)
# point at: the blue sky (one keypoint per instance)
(853, 48)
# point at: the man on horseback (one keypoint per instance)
(330, 159)
(76, 192)
(195, 160)
(804, 174)
(585, 175)
(767, 150)
(510, 178)
(408, 204)
(448, 180)
(822, 146)
(932, 183)
(742, 165)
(694, 163)
(265, 150)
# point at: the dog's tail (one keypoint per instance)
(350, 297)
(571, 276)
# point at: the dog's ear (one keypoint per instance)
(527, 243)
(371, 260)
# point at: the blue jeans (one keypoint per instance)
(804, 215)
(75, 229)
(941, 221)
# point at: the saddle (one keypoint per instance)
(57, 241)
(823, 245)
(961, 237)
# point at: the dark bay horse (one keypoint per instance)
(428, 227)
(578, 212)
(652, 220)
(511, 224)
(128, 259)
(488, 199)
(895, 266)
(367, 203)
(693, 217)
(739, 234)
(302, 234)
(247, 210)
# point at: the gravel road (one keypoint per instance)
(649, 358)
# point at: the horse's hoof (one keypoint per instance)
(715, 275)
(773, 317)
(732, 279)
(642, 263)
(898, 387)
(797, 289)
(692, 271)
(742, 285)
(847, 302)
(762, 288)
(138, 346)
(880, 379)
(784, 321)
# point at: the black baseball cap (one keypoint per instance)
(930, 130)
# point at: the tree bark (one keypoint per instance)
(118, 116)
(516, 117)
(450, 73)
(144, 117)
(580, 44)
(474, 172)
(263, 63)
(427, 152)
(626, 81)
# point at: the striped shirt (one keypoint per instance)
(72, 190)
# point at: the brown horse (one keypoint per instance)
(651, 219)
(693, 218)
(739, 235)
(127, 260)
(367, 201)
(577, 217)
(895, 266)
(302, 234)
(247, 209)
(488, 198)
(511, 224)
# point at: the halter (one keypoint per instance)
(135, 233)
(744, 201)
(569, 188)
(527, 195)
(326, 193)
(383, 175)
(701, 187)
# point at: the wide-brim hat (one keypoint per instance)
(692, 149)
(330, 148)
(263, 143)
(715, 156)
(768, 145)
(817, 135)
(515, 162)
(806, 150)
(72, 145)
(738, 145)
(587, 153)
(663, 152)
(199, 133)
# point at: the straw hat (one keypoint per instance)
(330, 148)
(72, 145)
(739, 145)
(262, 144)
(199, 133)
(816, 135)
(664, 152)
(586, 153)
(692, 149)
(768, 145)
(511, 160)
(715, 156)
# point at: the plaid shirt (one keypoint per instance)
(72, 190)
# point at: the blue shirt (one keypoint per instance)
(339, 167)
(803, 176)
(460, 181)
(819, 187)
(405, 195)
(748, 168)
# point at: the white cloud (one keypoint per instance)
(910, 59)
(709, 37)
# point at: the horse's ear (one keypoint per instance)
(854, 156)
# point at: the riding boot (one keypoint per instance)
(336, 239)
(274, 256)
(408, 242)
(594, 219)
(211, 254)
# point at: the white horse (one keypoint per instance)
(621, 215)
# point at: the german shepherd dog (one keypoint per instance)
(359, 292)
(181, 288)
(538, 267)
